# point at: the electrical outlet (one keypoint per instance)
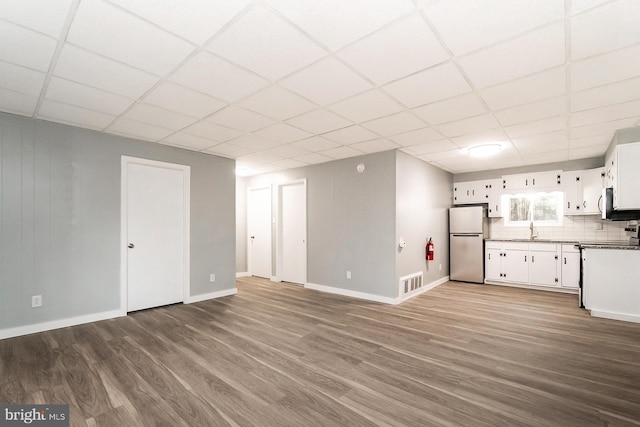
(36, 301)
(348, 275)
(212, 277)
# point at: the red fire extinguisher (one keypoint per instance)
(430, 250)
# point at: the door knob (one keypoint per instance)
(131, 246)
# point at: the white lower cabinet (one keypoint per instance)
(570, 266)
(524, 263)
(543, 264)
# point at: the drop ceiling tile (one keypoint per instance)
(90, 69)
(319, 121)
(396, 51)
(326, 81)
(69, 114)
(153, 115)
(25, 47)
(283, 133)
(228, 150)
(287, 151)
(288, 164)
(190, 142)
(21, 79)
(212, 131)
(607, 128)
(533, 147)
(590, 141)
(468, 126)
(264, 167)
(216, 77)
(274, 51)
(240, 119)
(606, 114)
(604, 69)
(441, 156)
(431, 85)
(195, 20)
(72, 93)
(138, 130)
(547, 84)
(536, 127)
(312, 158)
(174, 97)
(533, 111)
(341, 153)
(349, 20)
(366, 106)
(451, 109)
(17, 103)
(416, 137)
(315, 144)
(543, 138)
(46, 17)
(535, 51)
(591, 32)
(467, 25)
(277, 103)
(254, 142)
(351, 135)
(375, 145)
(114, 33)
(433, 147)
(258, 158)
(547, 157)
(394, 124)
(578, 6)
(602, 96)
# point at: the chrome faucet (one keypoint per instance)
(532, 236)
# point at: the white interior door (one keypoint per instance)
(293, 232)
(156, 224)
(259, 231)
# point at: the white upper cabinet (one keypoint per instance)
(582, 189)
(623, 174)
(476, 192)
(542, 181)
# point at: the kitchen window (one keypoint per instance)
(544, 209)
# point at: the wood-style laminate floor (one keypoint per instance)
(281, 355)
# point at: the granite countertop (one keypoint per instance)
(585, 244)
(563, 242)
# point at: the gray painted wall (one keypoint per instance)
(423, 199)
(572, 165)
(350, 222)
(60, 219)
(241, 225)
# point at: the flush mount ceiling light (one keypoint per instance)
(485, 150)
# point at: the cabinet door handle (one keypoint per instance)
(473, 192)
(533, 259)
(565, 260)
(568, 205)
(534, 181)
(525, 258)
(489, 256)
(526, 182)
(584, 204)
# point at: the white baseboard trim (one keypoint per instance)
(424, 289)
(349, 293)
(243, 274)
(211, 295)
(533, 287)
(615, 316)
(57, 324)
(275, 279)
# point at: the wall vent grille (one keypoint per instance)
(410, 284)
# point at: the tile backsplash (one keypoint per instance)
(574, 228)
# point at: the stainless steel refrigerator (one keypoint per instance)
(467, 230)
